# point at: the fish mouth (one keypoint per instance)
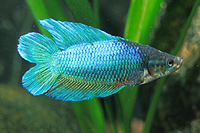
(179, 62)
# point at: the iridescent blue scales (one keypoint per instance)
(84, 62)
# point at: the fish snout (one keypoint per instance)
(178, 61)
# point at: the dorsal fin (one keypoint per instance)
(66, 34)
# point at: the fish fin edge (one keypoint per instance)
(39, 79)
(36, 48)
(66, 34)
(68, 89)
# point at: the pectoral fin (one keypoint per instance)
(137, 78)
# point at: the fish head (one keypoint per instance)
(160, 64)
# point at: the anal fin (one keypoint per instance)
(68, 88)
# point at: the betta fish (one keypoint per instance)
(82, 62)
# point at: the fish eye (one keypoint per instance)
(170, 63)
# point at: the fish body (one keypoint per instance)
(84, 62)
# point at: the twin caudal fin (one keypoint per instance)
(39, 49)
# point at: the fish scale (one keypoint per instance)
(82, 62)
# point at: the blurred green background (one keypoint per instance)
(178, 107)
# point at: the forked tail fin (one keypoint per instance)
(39, 49)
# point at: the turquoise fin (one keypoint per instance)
(66, 34)
(72, 89)
(39, 49)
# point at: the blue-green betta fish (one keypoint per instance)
(82, 62)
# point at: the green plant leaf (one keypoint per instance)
(90, 116)
(43, 9)
(56, 10)
(39, 11)
(82, 12)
